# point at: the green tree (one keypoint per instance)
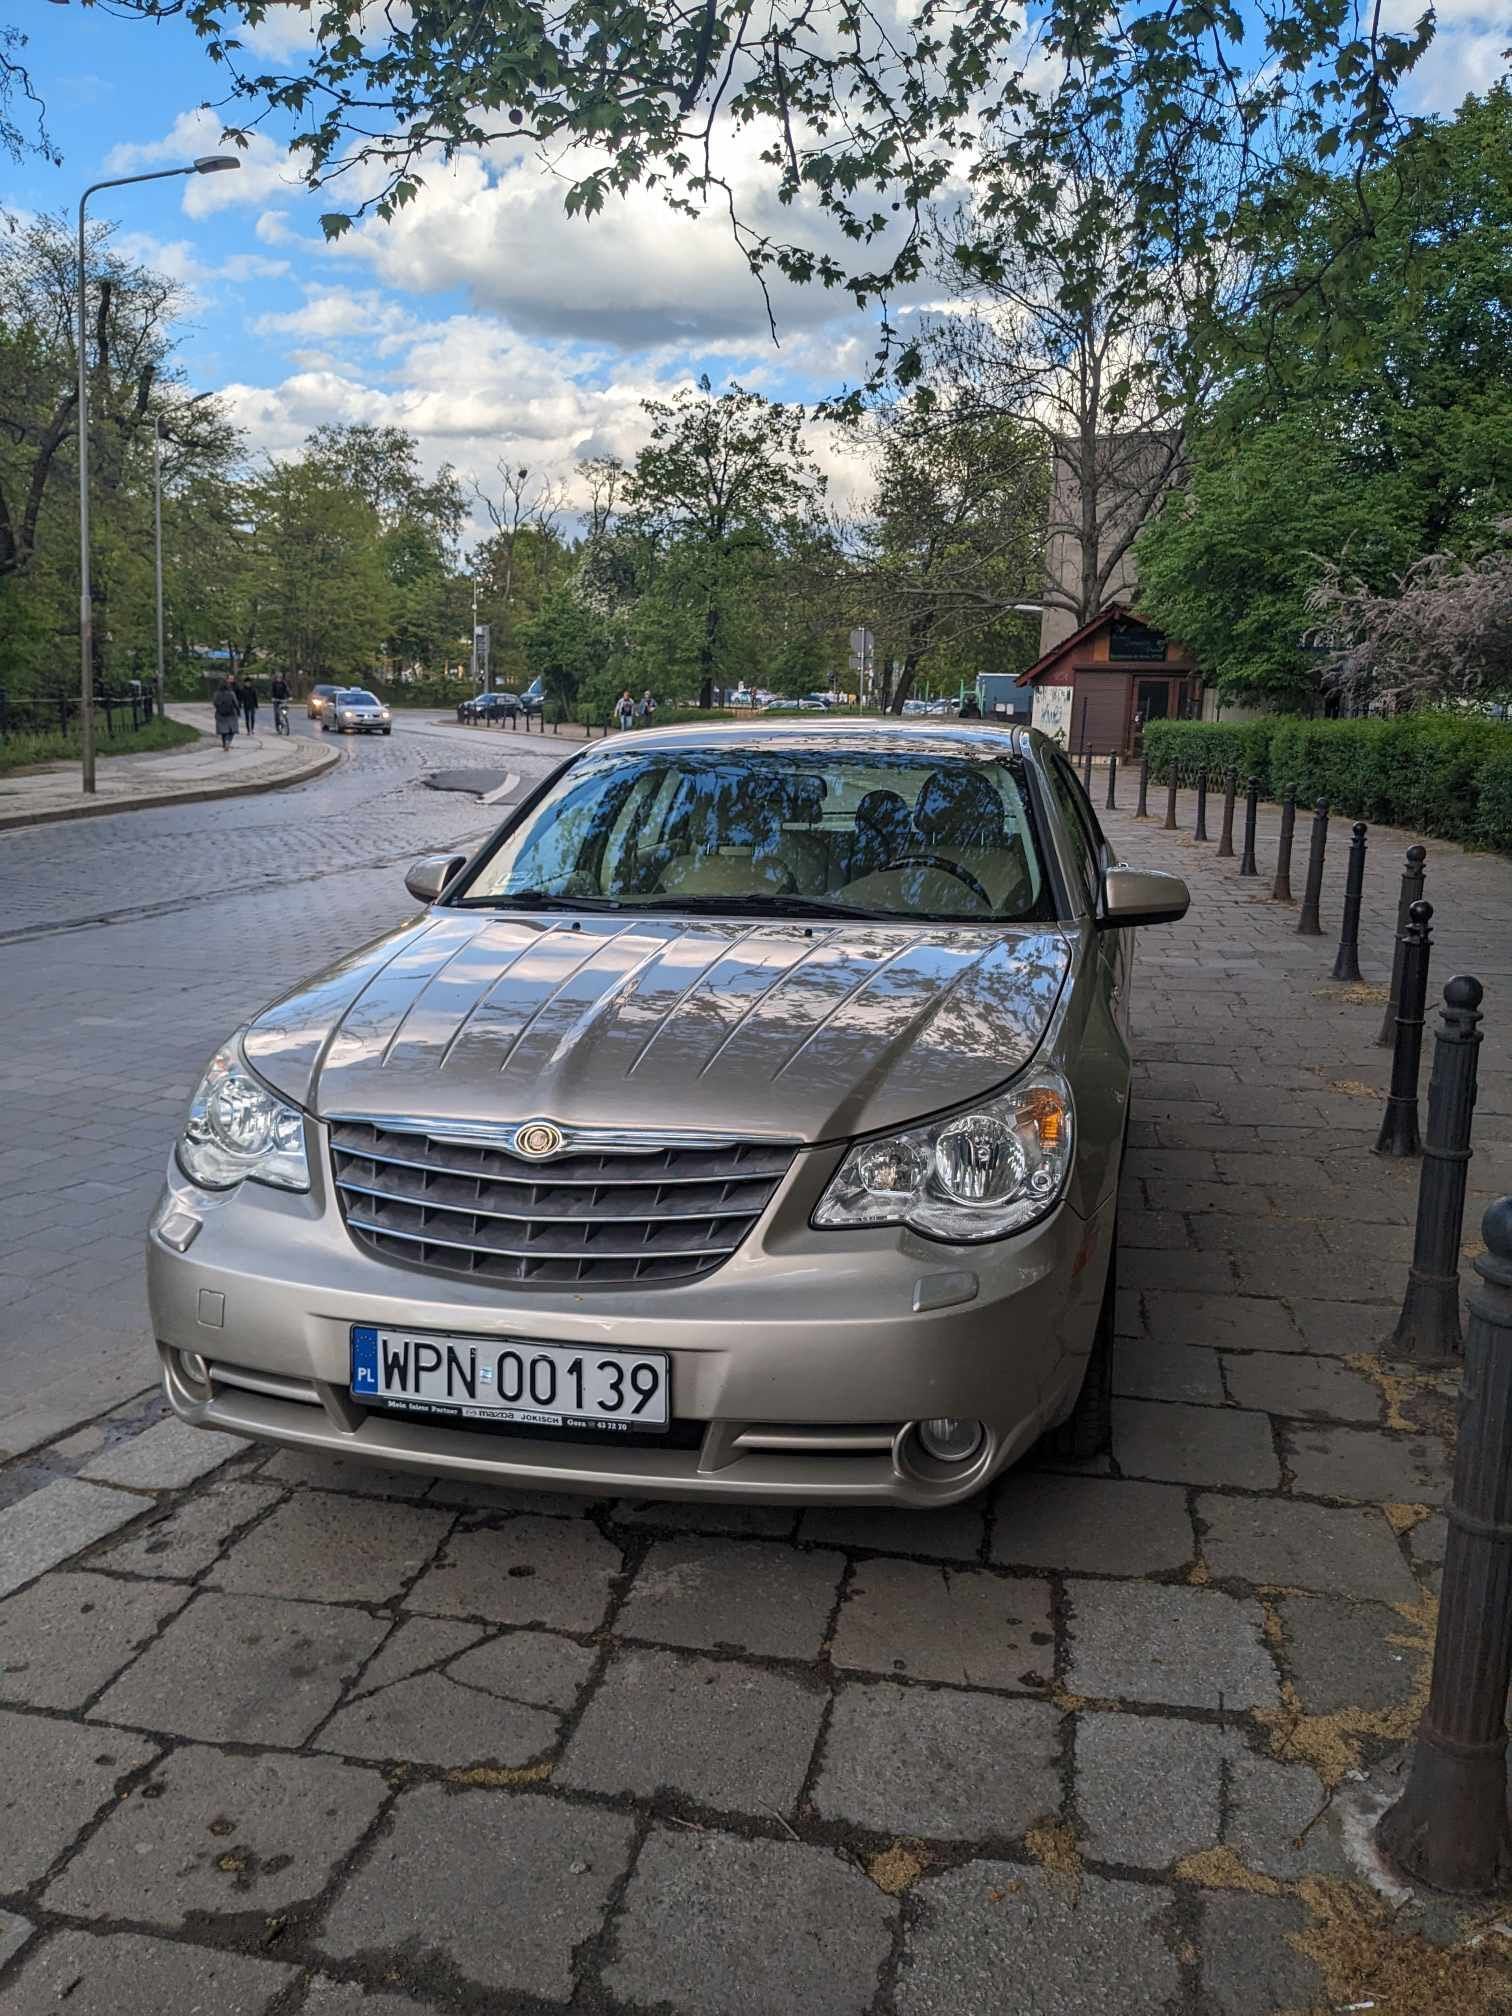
(1355, 442)
(135, 386)
(861, 117)
(320, 593)
(952, 538)
(418, 519)
(720, 484)
(576, 651)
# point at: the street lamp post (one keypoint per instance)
(207, 164)
(157, 549)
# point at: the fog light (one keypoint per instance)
(949, 1440)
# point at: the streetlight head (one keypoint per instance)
(212, 164)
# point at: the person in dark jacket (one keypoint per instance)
(227, 710)
(249, 703)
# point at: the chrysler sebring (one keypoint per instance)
(744, 1118)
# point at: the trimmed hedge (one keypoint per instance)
(1446, 774)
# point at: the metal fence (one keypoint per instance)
(115, 714)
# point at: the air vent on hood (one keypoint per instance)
(607, 1218)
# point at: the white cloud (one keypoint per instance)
(180, 260)
(1467, 55)
(636, 275)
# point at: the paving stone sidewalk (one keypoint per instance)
(287, 1737)
(198, 770)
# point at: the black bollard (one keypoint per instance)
(1346, 964)
(1170, 817)
(1412, 889)
(1111, 802)
(1399, 1124)
(1281, 887)
(1142, 809)
(1226, 836)
(1312, 888)
(1087, 771)
(1449, 1828)
(1251, 812)
(1200, 831)
(1428, 1329)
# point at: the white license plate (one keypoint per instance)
(484, 1378)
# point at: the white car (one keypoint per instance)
(354, 711)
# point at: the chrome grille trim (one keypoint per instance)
(612, 1210)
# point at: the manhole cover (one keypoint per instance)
(478, 782)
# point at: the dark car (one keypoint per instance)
(491, 707)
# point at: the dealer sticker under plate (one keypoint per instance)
(484, 1378)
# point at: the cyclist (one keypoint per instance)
(279, 691)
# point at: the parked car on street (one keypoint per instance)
(490, 707)
(319, 700)
(352, 710)
(742, 1120)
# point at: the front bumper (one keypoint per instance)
(797, 1367)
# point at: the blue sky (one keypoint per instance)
(484, 319)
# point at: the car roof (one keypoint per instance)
(970, 740)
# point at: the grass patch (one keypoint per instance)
(26, 752)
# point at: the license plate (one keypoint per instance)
(482, 1378)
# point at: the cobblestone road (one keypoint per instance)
(129, 947)
(285, 1738)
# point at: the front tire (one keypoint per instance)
(388, 731)
(1087, 1430)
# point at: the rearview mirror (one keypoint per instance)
(430, 875)
(1141, 896)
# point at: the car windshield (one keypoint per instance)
(926, 832)
(354, 696)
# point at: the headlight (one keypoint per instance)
(977, 1175)
(237, 1128)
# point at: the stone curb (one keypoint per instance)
(150, 801)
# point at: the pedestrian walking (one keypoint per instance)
(647, 708)
(227, 711)
(624, 711)
(249, 703)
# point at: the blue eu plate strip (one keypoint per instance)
(364, 1359)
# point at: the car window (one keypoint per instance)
(359, 697)
(1080, 822)
(926, 831)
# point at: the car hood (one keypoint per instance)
(780, 1030)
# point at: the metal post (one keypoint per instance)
(86, 608)
(1111, 802)
(1412, 889)
(1449, 1828)
(1170, 818)
(1307, 923)
(1399, 1124)
(1428, 1329)
(1251, 810)
(157, 547)
(1226, 837)
(1142, 809)
(1281, 887)
(1346, 964)
(1200, 831)
(1087, 770)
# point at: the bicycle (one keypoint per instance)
(281, 716)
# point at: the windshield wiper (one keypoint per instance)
(541, 899)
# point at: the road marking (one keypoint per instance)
(500, 791)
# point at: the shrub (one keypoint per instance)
(1441, 773)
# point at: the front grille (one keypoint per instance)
(610, 1218)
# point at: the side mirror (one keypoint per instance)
(430, 875)
(1141, 896)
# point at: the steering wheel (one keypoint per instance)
(945, 867)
